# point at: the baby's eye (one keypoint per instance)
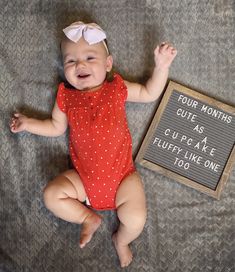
(90, 58)
(70, 61)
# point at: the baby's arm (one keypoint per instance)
(53, 127)
(163, 56)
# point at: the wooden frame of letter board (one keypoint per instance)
(186, 181)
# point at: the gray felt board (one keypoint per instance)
(191, 139)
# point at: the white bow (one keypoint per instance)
(92, 33)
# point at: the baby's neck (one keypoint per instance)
(92, 89)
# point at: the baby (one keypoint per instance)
(93, 106)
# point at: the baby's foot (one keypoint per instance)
(124, 252)
(89, 227)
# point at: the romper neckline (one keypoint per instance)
(89, 92)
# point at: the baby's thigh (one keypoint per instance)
(67, 184)
(131, 191)
(73, 176)
(130, 202)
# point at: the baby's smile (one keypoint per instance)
(83, 76)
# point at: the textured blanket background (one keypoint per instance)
(185, 230)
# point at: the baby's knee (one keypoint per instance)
(138, 218)
(50, 194)
(47, 194)
(135, 219)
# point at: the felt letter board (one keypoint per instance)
(191, 140)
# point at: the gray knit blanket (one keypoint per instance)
(185, 230)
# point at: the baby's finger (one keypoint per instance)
(12, 127)
(156, 51)
(170, 49)
(17, 114)
(15, 128)
(13, 120)
(164, 43)
(164, 47)
(173, 51)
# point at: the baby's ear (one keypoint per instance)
(109, 63)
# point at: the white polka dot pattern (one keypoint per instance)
(100, 141)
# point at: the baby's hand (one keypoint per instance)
(164, 55)
(18, 123)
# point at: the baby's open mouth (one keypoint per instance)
(83, 76)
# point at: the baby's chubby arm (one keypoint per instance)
(163, 56)
(53, 127)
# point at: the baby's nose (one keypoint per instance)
(80, 64)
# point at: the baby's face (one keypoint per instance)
(85, 66)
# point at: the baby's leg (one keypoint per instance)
(131, 211)
(63, 196)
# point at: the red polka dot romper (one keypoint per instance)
(100, 142)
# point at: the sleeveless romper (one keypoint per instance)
(100, 143)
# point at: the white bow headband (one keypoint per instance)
(92, 33)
